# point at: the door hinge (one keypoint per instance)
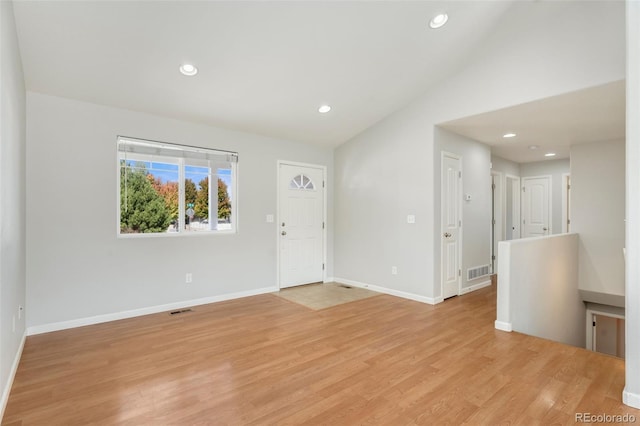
(459, 174)
(493, 257)
(523, 190)
(594, 323)
(524, 222)
(323, 266)
(568, 221)
(568, 186)
(493, 221)
(322, 225)
(323, 184)
(459, 272)
(493, 186)
(459, 224)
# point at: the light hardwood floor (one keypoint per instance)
(264, 360)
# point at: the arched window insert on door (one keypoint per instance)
(302, 182)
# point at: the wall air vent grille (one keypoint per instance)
(181, 311)
(477, 272)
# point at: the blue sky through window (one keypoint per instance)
(169, 172)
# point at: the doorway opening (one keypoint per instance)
(606, 333)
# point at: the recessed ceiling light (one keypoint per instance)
(438, 20)
(188, 69)
(550, 154)
(324, 109)
(509, 135)
(532, 147)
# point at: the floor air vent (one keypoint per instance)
(477, 272)
(180, 311)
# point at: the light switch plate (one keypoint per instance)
(411, 218)
(269, 218)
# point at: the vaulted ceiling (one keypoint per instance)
(266, 66)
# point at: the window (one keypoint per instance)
(301, 182)
(165, 189)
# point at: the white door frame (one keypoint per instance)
(550, 195)
(591, 312)
(498, 207)
(515, 208)
(444, 154)
(566, 202)
(324, 214)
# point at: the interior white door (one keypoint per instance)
(301, 223)
(451, 202)
(512, 217)
(566, 203)
(536, 206)
(496, 218)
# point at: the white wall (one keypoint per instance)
(542, 302)
(631, 394)
(476, 214)
(12, 199)
(597, 214)
(506, 167)
(77, 268)
(555, 168)
(386, 172)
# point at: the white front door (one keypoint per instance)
(301, 224)
(536, 206)
(451, 197)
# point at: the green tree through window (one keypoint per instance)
(142, 209)
(224, 203)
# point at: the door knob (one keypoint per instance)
(544, 229)
(447, 235)
(283, 233)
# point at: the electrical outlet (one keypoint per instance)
(394, 270)
(189, 278)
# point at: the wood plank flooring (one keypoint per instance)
(266, 361)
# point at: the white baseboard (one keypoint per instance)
(631, 399)
(329, 280)
(80, 322)
(12, 374)
(398, 293)
(504, 326)
(475, 287)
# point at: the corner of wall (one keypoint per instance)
(12, 374)
(12, 203)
